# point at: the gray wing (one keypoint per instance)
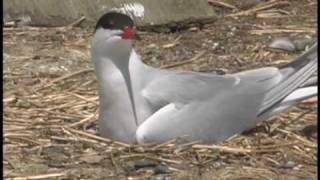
(185, 87)
(204, 107)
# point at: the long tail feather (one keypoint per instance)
(291, 100)
(295, 75)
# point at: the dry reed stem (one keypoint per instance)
(260, 7)
(163, 160)
(65, 77)
(42, 176)
(222, 4)
(275, 31)
(174, 43)
(233, 150)
(98, 138)
(83, 98)
(83, 121)
(77, 22)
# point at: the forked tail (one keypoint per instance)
(297, 84)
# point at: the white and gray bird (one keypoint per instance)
(142, 104)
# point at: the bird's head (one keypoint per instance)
(113, 35)
(114, 26)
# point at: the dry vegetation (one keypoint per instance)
(51, 103)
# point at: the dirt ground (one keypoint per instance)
(51, 103)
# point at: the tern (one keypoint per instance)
(142, 104)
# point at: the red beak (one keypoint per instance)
(128, 33)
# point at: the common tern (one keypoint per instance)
(142, 104)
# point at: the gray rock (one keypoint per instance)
(302, 43)
(282, 43)
(289, 164)
(161, 169)
(53, 149)
(161, 177)
(144, 164)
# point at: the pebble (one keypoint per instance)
(289, 164)
(161, 169)
(286, 44)
(152, 46)
(282, 43)
(215, 45)
(298, 167)
(53, 149)
(309, 130)
(144, 164)
(161, 177)
(302, 43)
(156, 167)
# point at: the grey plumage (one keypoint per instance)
(182, 104)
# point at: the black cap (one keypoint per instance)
(114, 20)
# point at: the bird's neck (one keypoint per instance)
(110, 81)
(109, 61)
(112, 70)
(116, 117)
